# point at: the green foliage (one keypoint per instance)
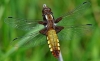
(79, 47)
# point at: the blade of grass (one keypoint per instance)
(60, 57)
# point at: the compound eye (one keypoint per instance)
(45, 10)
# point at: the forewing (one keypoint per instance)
(21, 23)
(75, 13)
(70, 23)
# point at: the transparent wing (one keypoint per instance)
(70, 23)
(80, 30)
(35, 40)
(21, 23)
(75, 13)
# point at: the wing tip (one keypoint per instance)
(89, 24)
(10, 17)
(86, 2)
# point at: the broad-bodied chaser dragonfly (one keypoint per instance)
(50, 29)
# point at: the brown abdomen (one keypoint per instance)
(53, 42)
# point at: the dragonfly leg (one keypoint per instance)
(58, 19)
(42, 22)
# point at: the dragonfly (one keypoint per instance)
(51, 30)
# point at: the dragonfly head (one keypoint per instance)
(46, 10)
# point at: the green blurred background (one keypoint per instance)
(86, 49)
